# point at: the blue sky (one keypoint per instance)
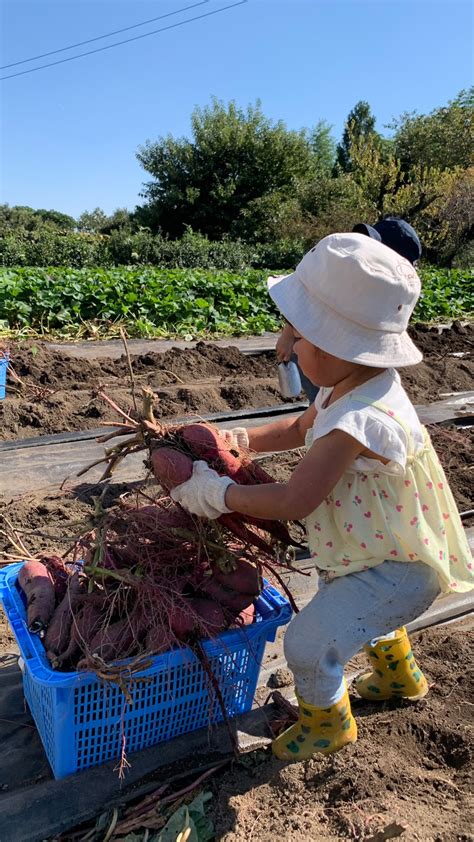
(70, 132)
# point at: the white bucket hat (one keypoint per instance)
(352, 297)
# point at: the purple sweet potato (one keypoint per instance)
(246, 578)
(228, 598)
(246, 617)
(171, 467)
(37, 585)
(58, 634)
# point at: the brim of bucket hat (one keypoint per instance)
(336, 335)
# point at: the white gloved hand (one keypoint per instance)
(237, 437)
(204, 493)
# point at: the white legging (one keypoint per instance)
(347, 613)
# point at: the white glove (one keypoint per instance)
(204, 493)
(237, 437)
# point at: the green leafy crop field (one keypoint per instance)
(149, 301)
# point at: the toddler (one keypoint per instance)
(382, 524)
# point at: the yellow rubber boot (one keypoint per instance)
(318, 730)
(395, 673)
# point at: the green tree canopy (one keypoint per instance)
(443, 138)
(91, 222)
(29, 219)
(359, 126)
(97, 221)
(235, 158)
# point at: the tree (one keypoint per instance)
(234, 158)
(440, 139)
(120, 220)
(56, 219)
(92, 222)
(324, 147)
(375, 169)
(360, 125)
(26, 218)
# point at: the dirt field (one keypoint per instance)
(411, 767)
(56, 393)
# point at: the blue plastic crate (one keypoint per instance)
(4, 360)
(82, 721)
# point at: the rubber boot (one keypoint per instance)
(395, 673)
(318, 730)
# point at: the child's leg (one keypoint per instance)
(344, 615)
(328, 632)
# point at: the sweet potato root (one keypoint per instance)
(206, 443)
(230, 599)
(58, 633)
(171, 467)
(246, 578)
(37, 585)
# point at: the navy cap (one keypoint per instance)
(395, 233)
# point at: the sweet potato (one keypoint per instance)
(246, 617)
(37, 585)
(206, 443)
(157, 641)
(58, 633)
(85, 623)
(234, 523)
(113, 641)
(246, 578)
(258, 474)
(118, 640)
(276, 528)
(58, 572)
(171, 467)
(210, 615)
(228, 598)
(203, 617)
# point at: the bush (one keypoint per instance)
(123, 247)
(46, 247)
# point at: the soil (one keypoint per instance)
(57, 391)
(410, 771)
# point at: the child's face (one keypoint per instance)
(320, 367)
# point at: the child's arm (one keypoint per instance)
(312, 481)
(209, 495)
(279, 435)
(285, 342)
(282, 435)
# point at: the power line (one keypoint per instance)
(126, 41)
(100, 37)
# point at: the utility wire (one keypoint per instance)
(126, 41)
(100, 37)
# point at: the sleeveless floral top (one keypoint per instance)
(371, 517)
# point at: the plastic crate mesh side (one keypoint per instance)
(171, 701)
(41, 702)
